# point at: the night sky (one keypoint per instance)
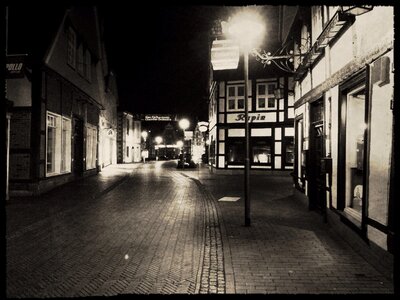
(160, 57)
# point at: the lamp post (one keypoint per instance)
(247, 28)
(184, 124)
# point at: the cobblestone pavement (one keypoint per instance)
(287, 249)
(146, 229)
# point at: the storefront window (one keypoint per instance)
(236, 149)
(289, 151)
(355, 128)
(261, 152)
(58, 152)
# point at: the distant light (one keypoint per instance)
(179, 144)
(144, 134)
(126, 256)
(158, 139)
(184, 124)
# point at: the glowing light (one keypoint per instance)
(184, 124)
(247, 27)
(144, 134)
(179, 144)
(158, 139)
(126, 256)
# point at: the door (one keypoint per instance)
(317, 190)
(78, 146)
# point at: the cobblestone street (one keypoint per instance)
(154, 229)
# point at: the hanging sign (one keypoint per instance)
(224, 55)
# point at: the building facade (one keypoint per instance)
(343, 126)
(270, 123)
(57, 103)
(128, 138)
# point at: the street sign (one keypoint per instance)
(224, 55)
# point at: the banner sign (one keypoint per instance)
(158, 117)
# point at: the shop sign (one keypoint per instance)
(157, 118)
(252, 117)
(15, 66)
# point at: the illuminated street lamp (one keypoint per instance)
(247, 28)
(184, 124)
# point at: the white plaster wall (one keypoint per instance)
(373, 28)
(342, 51)
(334, 134)
(319, 72)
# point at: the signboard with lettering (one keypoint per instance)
(158, 117)
(15, 65)
(252, 117)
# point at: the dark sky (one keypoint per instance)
(160, 56)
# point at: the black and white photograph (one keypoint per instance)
(200, 149)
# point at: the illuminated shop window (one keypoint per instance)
(355, 128)
(58, 149)
(91, 146)
(261, 152)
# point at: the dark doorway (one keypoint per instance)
(316, 176)
(78, 146)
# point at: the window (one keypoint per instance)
(58, 149)
(127, 126)
(88, 65)
(261, 152)
(91, 146)
(71, 50)
(354, 155)
(236, 149)
(80, 60)
(265, 96)
(289, 151)
(235, 98)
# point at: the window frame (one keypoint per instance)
(266, 96)
(235, 98)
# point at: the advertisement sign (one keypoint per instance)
(15, 65)
(158, 117)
